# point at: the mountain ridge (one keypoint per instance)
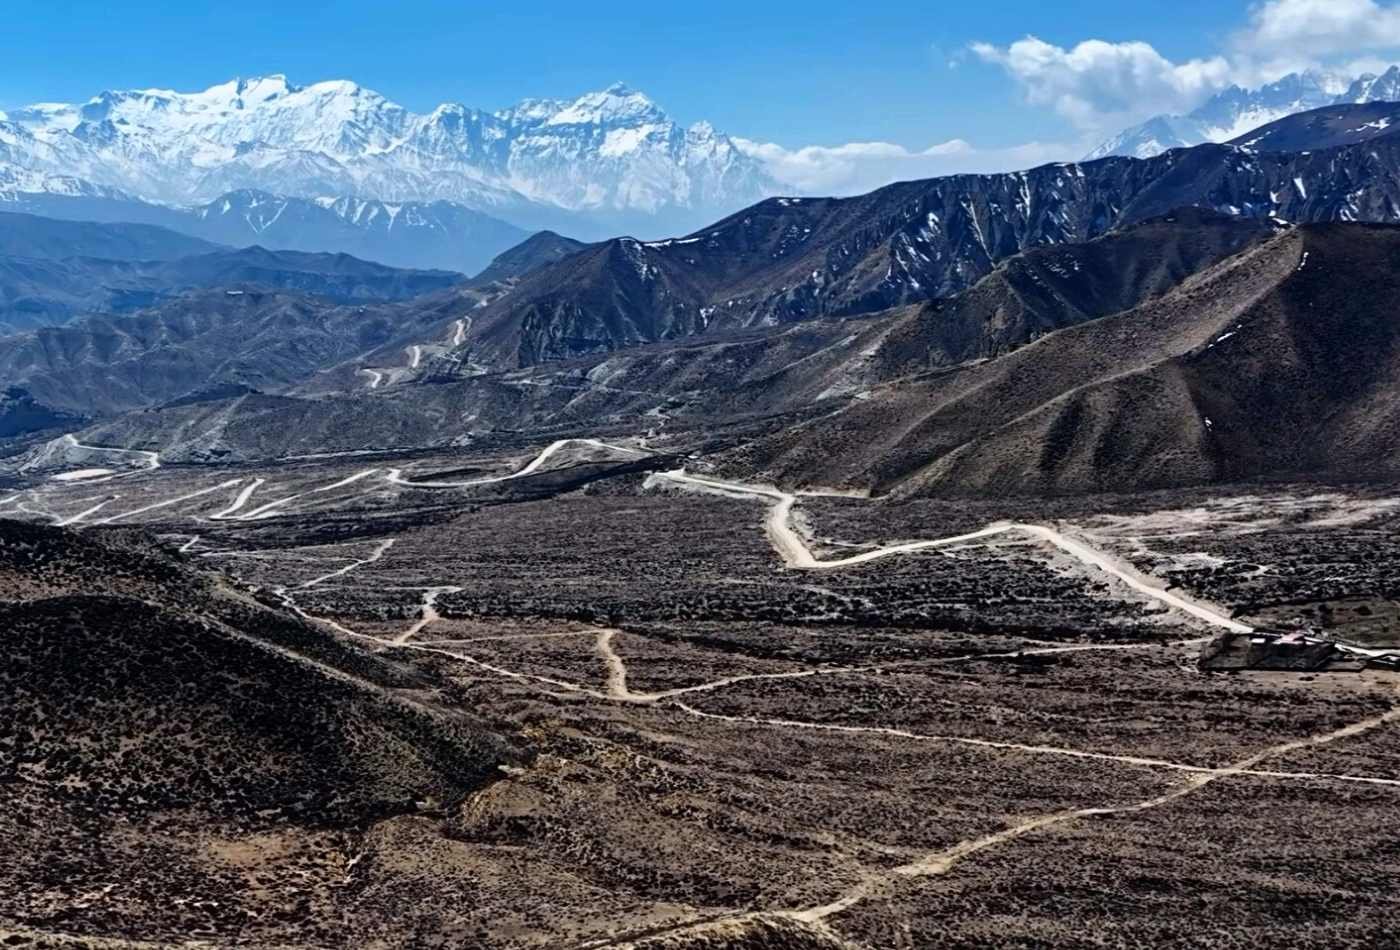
(788, 259)
(1244, 371)
(420, 235)
(1235, 111)
(37, 291)
(608, 152)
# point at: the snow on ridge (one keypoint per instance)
(1235, 112)
(608, 150)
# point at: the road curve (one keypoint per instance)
(793, 549)
(395, 475)
(51, 449)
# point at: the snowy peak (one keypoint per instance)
(613, 150)
(1235, 111)
(243, 92)
(615, 106)
(1372, 88)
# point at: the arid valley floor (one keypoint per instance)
(711, 713)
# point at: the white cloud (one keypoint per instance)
(1101, 87)
(858, 167)
(1098, 84)
(1316, 29)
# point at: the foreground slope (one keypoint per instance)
(158, 726)
(204, 697)
(1280, 361)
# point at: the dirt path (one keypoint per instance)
(54, 453)
(428, 614)
(793, 549)
(379, 551)
(619, 690)
(168, 502)
(152, 459)
(457, 335)
(395, 475)
(268, 511)
(617, 670)
(239, 501)
(942, 862)
(877, 883)
(1062, 751)
(74, 519)
(566, 687)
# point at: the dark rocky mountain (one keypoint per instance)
(539, 249)
(776, 369)
(39, 238)
(20, 415)
(338, 277)
(42, 292)
(1048, 288)
(586, 324)
(1257, 367)
(437, 234)
(425, 235)
(1330, 127)
(254, 338)
(713, 378)
(789, 259)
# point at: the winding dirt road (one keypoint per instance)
(155, 506)
(267, 511)
(59, 448)
(396, 476)
(793, 549)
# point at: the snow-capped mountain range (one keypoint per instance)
(613, 153)
(1235, 111)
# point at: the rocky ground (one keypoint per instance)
(414, 701)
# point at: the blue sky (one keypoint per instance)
(814, 72)
(840, 96)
